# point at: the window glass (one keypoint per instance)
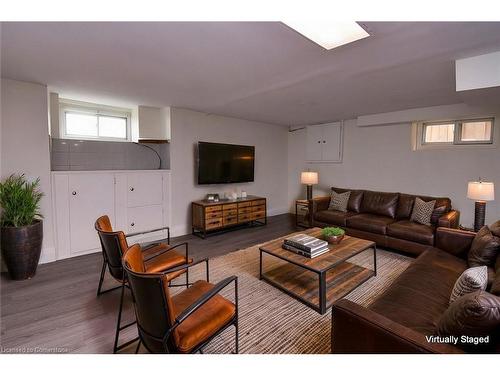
(476, 131)
(115, 127)
(79, 124)
(439, 133)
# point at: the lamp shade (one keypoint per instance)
(309, 178)
(481, 191)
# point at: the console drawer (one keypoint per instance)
(229, 220)
(245, 217)
(259, 202)
(213, 223)
(213, 208)
(244, 204)
(213, 215)
(258, 215)
(231, 206)
(245, 210)
(230, 213)
(258, 208)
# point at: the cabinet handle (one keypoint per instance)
(74, 193)
(131, 189)
(324, 141)
(319, 141)
(132, 224)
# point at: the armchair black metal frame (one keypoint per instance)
(166, 340)
(112, 260)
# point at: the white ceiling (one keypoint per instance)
(261, 71)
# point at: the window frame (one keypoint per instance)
(457, 131)
(95, 110)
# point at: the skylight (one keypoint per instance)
(328, 34)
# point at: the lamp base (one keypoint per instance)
(479, 214)
(309, 192)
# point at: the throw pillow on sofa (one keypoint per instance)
(471, 280)
(484, 249)
(473, 314)
(422, 211)
(338, 202)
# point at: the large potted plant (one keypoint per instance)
(21, 226)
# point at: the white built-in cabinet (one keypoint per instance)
(135, 201)
(324, 143)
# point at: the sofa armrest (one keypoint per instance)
(356, 329)
(454, 241)
(318, 204)
(450, 219)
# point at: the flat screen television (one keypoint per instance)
(220, 163)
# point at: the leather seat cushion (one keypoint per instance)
(333, 217)
(205, 321)
(369, 223)
(411, 231)
(422, 293)
(163, 261)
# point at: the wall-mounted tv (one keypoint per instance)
(220, 163)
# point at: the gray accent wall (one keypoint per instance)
(80, 155)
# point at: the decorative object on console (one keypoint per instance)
(243, 194)
(471, 280)
(338, 202)
(309, 178)
(422, 211)
(333, 234)
(480, 191)
(21, 226)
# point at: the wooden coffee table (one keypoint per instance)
(320, 281)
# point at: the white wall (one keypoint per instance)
(25, 144)
(189, 127)
(381, 158)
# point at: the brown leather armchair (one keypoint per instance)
(158, 257)
(181, 323)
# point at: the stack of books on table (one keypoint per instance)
(305, 245)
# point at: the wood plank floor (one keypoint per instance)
(58, 311)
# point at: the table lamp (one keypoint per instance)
(480, 191)
(309, 179)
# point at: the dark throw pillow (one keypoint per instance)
(422, 211)
(338, 202)
(471, 280)
(473, 314)
(484, 249)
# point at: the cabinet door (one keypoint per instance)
(144, 189)
(90, 195)
(314, 138)
(332, 142)
(145, 218)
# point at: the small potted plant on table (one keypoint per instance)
(21, 226)
(333, 235)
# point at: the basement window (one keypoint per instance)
(455, 132)
(93, 122)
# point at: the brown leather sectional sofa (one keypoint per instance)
(401, 318)
(384, 218)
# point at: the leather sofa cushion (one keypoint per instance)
(380, 203)
(418, 298)
(354, 203)
(333, 217)
(473, 314)
(205, 321)
(484, 249)
(406, 201)
(369, 223)
(495, 228)
(411, 231)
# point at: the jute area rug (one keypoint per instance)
(270, 321)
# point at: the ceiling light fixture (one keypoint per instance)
(329, 34)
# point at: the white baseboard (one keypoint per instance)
(48, 255)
